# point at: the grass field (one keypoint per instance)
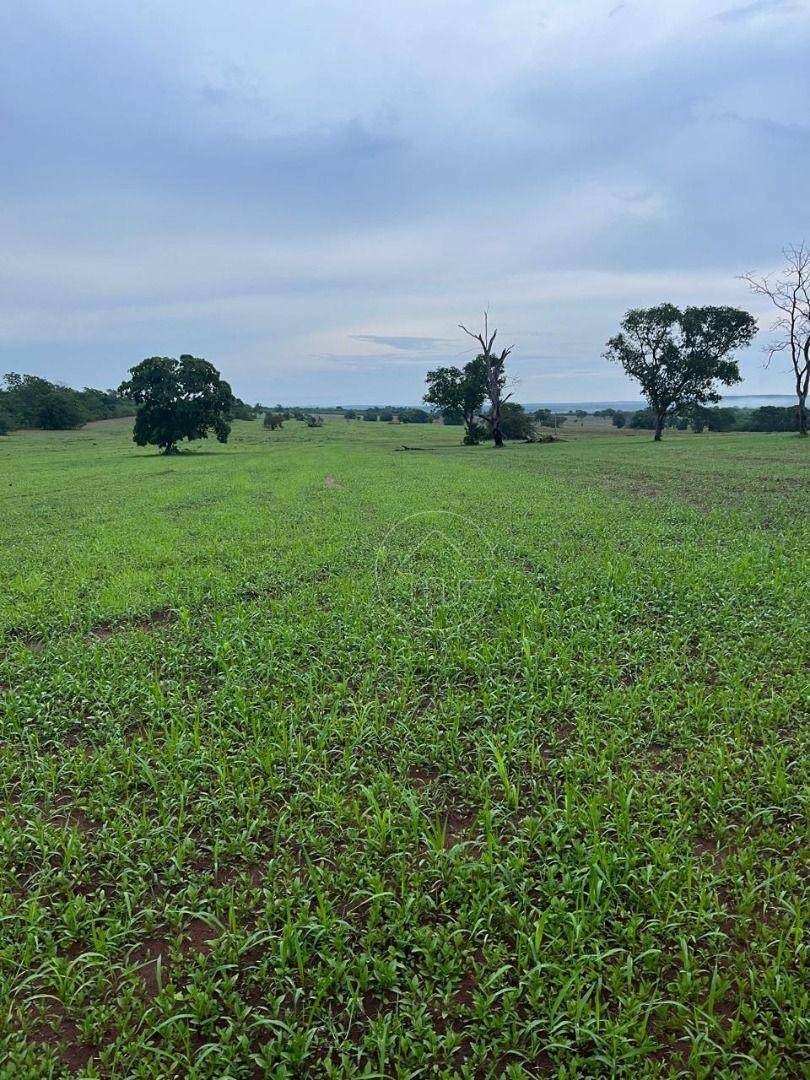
(318, 758)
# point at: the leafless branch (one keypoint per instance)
(495, 374)
(789, 292)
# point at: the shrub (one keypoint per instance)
(643, 418)
(548, 418)
(105, 404)
(240, 410)
(516, 423)
(61, 411)
(413, 416)
(774, 418)
(699, 418)
(541, 437)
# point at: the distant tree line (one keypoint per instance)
(390, 414)
(274, 419)
(297, 412)
(700, 418)
(28, 401)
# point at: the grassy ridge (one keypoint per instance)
(320, 758)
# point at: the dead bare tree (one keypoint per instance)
(495, 366)
(789, 291)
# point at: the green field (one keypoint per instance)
(321, 758)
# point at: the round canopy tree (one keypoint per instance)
(178, 399)
(457, 391)
(679, 357)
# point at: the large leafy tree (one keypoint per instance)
(178, 399)
(459, 392)
(679, 357)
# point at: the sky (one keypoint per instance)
(313, 195)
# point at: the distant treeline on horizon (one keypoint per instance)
(738, 401)
(28, 401)
(520, 422)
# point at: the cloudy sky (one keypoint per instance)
(313, 195)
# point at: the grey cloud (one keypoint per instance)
(410, 344)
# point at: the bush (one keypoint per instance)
(414, 416)
(240, 410)
(105, 404)
(516, 423)
(774, 418)
(643, 418)
(314, 421)
(548, 418)
(541, 437)
(387, 416)
(699, 417)
(61, 411)
(272, 421)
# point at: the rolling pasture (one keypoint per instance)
(323, 758)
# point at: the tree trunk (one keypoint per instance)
(801, 409)
(497, 434)
(659, 427)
